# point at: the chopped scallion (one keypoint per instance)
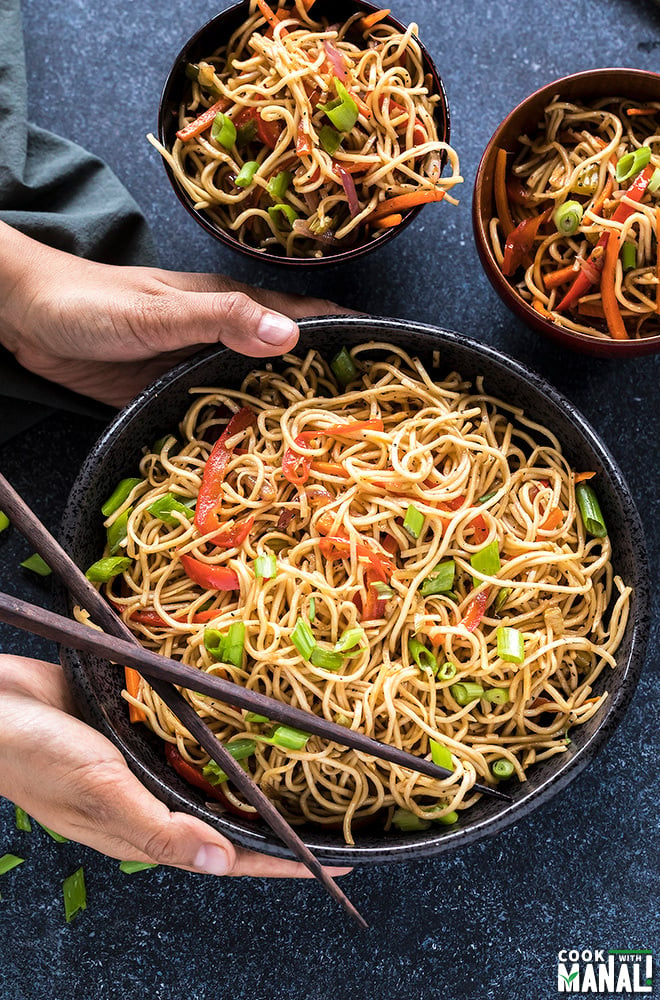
(303, 639)
(279, 185)
(422, 656)
(288, 211)
(330, 139)
(106, 569)
(311, 614)
(57, 837)
(239, 750)
(245, 175)
(448, 819)
(255, 717)
(164, 508)
(502, 768)
(502, 597)
(567, 217)
(629, 256)
(383, 590)
(343, 367)
(223, 130)
(350, 638)
(265, 567)
(447, 671)
(654, 183)
(407, 821)
(75, 894)
(486, 561)
(37, 565)
(440, 755)
(510, 644)
(466, 692)
(590, 510)
(22, 820)
(328, 659)
(131, 867)
(9, 861)
(226, 647)
(440, 580)
(118, 531)
(413, 522)
(289, 738)
(631, 164)
(4, 521)
(497, 696)
(120, 493)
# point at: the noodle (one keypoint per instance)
(332, 510)
(574, 160)
(335, 183)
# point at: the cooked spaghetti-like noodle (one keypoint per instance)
(582, 155)
(358, 495)
(292, 174)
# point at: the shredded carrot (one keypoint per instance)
(657, 266)
(580, 477)
(133, 688)
(541, 309)
(403, 202)
(364, 108)
(501, 200)
(388, 221)
(206, 118)
(553, 520)
(329, 469)
(556, 278)
(270, 16)
(640, 111)
(369, 20)
(615, 323)
(604, 195)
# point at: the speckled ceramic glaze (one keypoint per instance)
(159, 408)
(216, 33)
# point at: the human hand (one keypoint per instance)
(73, 780)
(107, 331)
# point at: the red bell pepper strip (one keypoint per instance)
(203, 121)
(268, 132)
(230, 538)
(295, 467)
(195, 777)
(334, 547)
(304, 145)
(479, 529)
(519, 244)
(209, 576)
(475, 611)
(588, 276)
(148, 616)
(209, 499)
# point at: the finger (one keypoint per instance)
(37, 679)
(261, 866)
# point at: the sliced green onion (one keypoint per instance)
(4, 521)
(440, 579)
(265, 567)
(590, 512)
(510, 644)
(407, 821)
(131, 867)
(165, 506)
(246, 133)
(226, 647)
(383, 590)
(654, 183)
(447, 671)
(350, 638)
(287, 211)
(448, 819)
(279, 185)
(303, 639)
(289, 738)
(631, 164)
(422, 656)
(57, 837)
(343, 367)
(118, 531)
(629, 256)
(330, 139)
(497, 696)
(106, 569)
(37, 565)
(466, 692)
(567, 217)
(245, 175)
(502, 768)
(9, 861)
(223, 130)
(255, 717)
(158, 445)
(75, 894)
(329, 659)
(342, 111)
(311, 614)
(118, 495)
(487, 496)
(440, 755)
(239, 750)
(22, 820)
(486, 561)
(413, 522)
(502, 597)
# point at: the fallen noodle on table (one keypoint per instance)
(406, 556)
(301, 137)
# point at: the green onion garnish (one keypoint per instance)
(289, 738)
(497, 696)
(106, 569)
(265, 567)
(287, 211)
(329, 659)
(440, 579)
(448, 819)
(501, 599)
(245, 175)
(246, 133)
(654, 183)
(422, 656)
(440, 755)
(510, 644)
(631, 164)
(4, 521)
(466, 692)
(22, 820)
(447, 671)
(303, 639)
(279, 185)
(57, 837)
(311, 614)
(343, 367)
(9, 861)
(163, 508)
(37, 565)
(255, 717)
(487, 496)
(590, 510)
(567, 217)
(383, 590)
(330, 139)
(350, 638)
(342, 111)
(629, 256)
(502, 768)
(407, 821)
(119, 495)
(159, 444)
(131, 867)
(239, 750)
(226, 647)
(118, 531)
(223, 130)
(486, 561)
(75, 894)
(413, 522)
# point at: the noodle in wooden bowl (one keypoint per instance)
(325, 582)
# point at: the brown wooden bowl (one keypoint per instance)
(636, 84)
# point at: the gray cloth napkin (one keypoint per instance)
(58, 193)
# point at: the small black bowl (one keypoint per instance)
(160, 407)
(210, 37)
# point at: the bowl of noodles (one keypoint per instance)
(566, 212)
(305, 134)
(368, 530)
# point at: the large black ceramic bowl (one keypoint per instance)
(159, 409)
(217, 32)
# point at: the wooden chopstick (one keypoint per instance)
(21, 515)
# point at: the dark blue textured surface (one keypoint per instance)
(485, 923)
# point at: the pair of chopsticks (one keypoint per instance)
(120, 646)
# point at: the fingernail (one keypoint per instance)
(212, 860)
(275, 329)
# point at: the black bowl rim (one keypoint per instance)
(428, 843)
(570, 339)
(227, 238)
